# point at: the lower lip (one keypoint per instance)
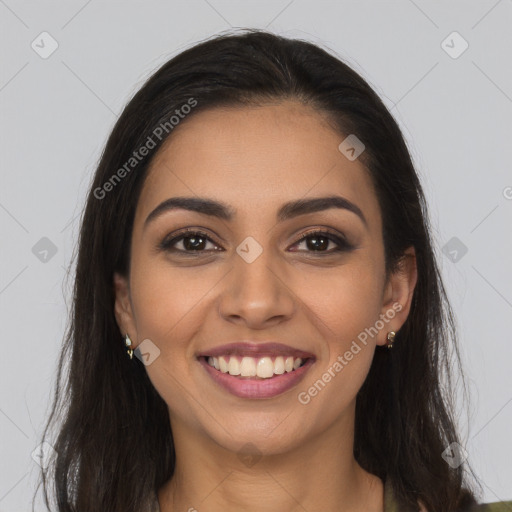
(255, 387)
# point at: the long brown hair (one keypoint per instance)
(114, 444)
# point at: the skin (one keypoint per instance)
(255, 159)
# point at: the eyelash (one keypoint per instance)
(342, 244)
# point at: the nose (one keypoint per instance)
(256, 294)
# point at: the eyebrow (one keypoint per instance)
(225, 212)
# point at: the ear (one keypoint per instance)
(123, 308)
(398, 295)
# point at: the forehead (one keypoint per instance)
(255, 158)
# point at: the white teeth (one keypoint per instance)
(262, 367)
(279, 365)
(233, 366)
(265, 368)
(248, 367)
(223, 365)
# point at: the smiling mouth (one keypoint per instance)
(247, 367)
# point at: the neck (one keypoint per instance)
(321, 474)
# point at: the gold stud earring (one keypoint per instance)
(128, 343)
(391, 339)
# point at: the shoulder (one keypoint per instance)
(498, 506)
(390, 504)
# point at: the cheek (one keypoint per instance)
(169, 307)
(344, 304)
(345, 300)
(164, 297)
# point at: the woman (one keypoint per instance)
(256, 235)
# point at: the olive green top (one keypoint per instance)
(390, 504)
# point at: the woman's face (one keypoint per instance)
(250, 280)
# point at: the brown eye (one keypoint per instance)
(193, 242)
(189, 242)
(322, 242)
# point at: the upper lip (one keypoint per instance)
(252, 349)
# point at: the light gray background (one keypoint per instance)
(57, 113)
